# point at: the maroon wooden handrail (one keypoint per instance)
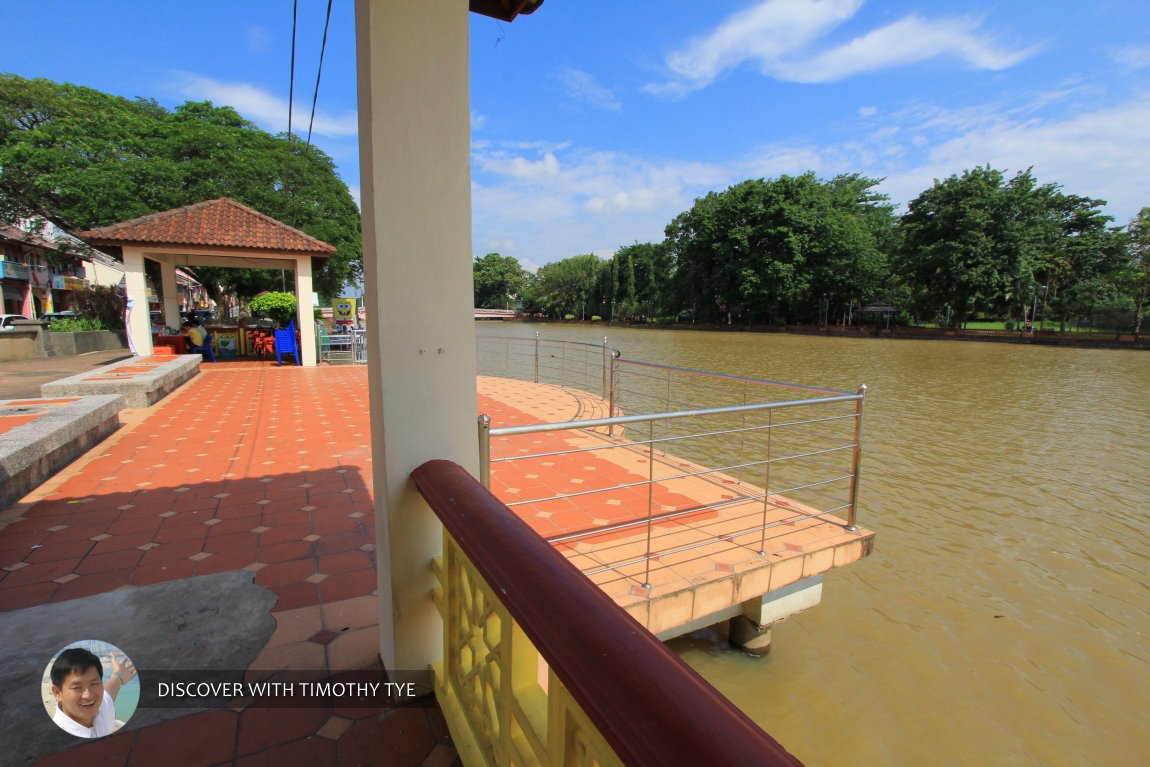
(648, 704)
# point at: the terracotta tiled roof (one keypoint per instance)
(221, 223)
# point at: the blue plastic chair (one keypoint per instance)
(285, 344)
(206, 350)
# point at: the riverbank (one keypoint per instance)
(1095, 340)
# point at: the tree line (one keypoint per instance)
(83, 159)
(802, 250)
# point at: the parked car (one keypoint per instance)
(8, 321)
(51, 317)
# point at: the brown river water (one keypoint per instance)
(1004, 616)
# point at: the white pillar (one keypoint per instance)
(171, 291)
(304, 316)
(414, 135)
(139, 323)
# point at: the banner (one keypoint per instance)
(343, 310)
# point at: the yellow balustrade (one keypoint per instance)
(503, 703)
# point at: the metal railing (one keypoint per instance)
(346, 347)
(689, 460)
(573, 364)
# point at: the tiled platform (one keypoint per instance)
(268, 469)
(716, 554)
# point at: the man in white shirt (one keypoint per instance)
(85, 706)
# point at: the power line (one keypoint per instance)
(291, 79)
(319, 72)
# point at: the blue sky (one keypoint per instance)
(595, 122)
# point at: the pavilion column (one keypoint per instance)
(138, 321)
(414, 133)
(171, 292)
(305, 317)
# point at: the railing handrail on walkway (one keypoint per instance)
(645, 702)
(486, 433)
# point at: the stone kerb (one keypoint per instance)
(53, 434)
(143, 381)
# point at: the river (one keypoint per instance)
(1004, 616)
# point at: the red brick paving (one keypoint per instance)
(265, 468)
(248, 466)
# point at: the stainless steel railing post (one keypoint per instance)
(536, 356)
(650, 502)
(611, 394)
(485, 450)
(856, 458)
(767, 484)
(603, 385)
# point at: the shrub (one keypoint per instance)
(596, 318)
(279, 306)
(73, 325)
(102, 303)
(568, 316)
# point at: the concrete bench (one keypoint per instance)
(38, 437)
(143, 381)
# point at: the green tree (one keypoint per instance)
(83, 159)
(771, 250)
(499, 281)
(977, 244)
(640, 275)
(1134, 274)
(568, 286)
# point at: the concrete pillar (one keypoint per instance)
(137, 322)
(747, 635)
(171, 292)
(414, 133)
(304, 316)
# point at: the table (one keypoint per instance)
(179, 344)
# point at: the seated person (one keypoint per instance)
(85, 706)
(194, 332)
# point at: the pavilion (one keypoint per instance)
(220, 232)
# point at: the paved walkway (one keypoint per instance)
(250, 467)
(22, 379)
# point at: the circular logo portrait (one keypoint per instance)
(90, 689)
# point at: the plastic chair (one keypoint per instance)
(206, 350)
(286, 344)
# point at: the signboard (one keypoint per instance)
(68, 282)
(343, 310)
(11, 270)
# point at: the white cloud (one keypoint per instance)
(908, 41)
(478, 121)
(766, 32)
(1103, 153)
(1132, 57)
(263, 108)
(597, 201)
(547, 203)
(583, 88)
(782, 36)
(519, 167)
(259, 39)
(868, 111)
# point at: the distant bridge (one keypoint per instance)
(494, 314)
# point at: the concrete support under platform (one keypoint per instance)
(749, 636)
(751, 631)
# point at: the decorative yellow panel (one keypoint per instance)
(488, 684)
